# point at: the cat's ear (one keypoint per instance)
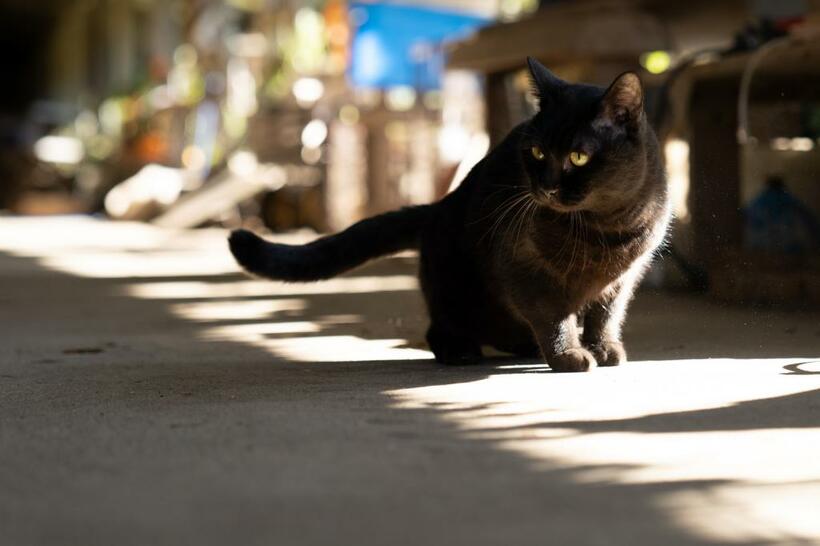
(623, 101)
(544, 83)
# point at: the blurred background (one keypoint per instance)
(293, 114)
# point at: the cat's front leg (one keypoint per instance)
(607, 352)
(553, 325)
(558, 340)
(557, 337)
(605, 317)
(602, 328)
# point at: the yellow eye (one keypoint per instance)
(537, 153)
(579, 159)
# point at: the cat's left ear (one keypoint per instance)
(545, 84)
(623, 101)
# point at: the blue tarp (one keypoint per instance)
(396, 44)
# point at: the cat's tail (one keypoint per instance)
(331, 255)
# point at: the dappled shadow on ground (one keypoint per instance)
(171, 419)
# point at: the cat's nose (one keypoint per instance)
(547, 196)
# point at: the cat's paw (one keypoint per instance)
(609, 353)
(453, 350)
(573, 360)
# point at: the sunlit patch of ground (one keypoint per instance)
(664, 421)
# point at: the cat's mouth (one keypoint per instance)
(553, 200)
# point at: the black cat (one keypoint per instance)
(561, 219)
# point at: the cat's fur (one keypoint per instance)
(524, 245)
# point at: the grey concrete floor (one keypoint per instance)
(151, 394)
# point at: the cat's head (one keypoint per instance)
(586, 147)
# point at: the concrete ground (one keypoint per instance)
(151, 394)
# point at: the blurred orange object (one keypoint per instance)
(152, 147)
(338, 33)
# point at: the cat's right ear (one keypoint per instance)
(623, 101)
(545, 84)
